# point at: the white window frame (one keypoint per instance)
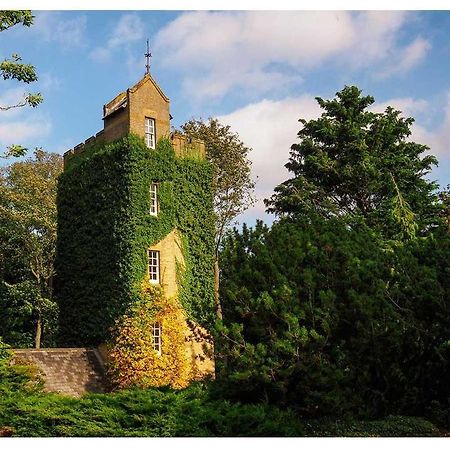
(157, 337)
(154, 199)
(150, 132)
(153, 266)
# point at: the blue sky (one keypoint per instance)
(257, 71)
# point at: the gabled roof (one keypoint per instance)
(142, 81)
(120, 101)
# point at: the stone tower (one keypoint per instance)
(135, 201)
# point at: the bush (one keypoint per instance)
(133, 361)
(188, 412)
(328, 320)
(17, 376)
(391, 426)
(21, 306)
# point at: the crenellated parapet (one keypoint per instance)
(82, 146)
(184, 146)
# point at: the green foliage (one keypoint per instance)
(10, 18)
(13, 68)
(5, 353)
(22, 305)
(163, 413)
(391, 426)
(439, 413)
(233, 186)
(105, 229)
(27, 247)
(14, 151)
(320, 317)
(16, 378)
(358, 165)
(195, 411)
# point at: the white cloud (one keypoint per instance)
(408, 106)
(128, 30)
(21, 125)
(266, 50)
(407, 58)
(437, 139)
(373, 36)
(48, 82)
(11, 97)
(23, 131)
(52, 26)
(270, 128)
(100, 54)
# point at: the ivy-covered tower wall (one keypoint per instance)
(105, 231)
(106, 228)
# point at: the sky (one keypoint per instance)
(257, 71)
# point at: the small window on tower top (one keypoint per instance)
(150, 135)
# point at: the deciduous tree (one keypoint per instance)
(28, 223)
(233, 185)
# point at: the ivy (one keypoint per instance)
(132, 359)
(105, 229)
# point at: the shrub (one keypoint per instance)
(133, 361)
(326, 319)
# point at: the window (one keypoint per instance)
(150, 132)
(156, 336)
(154, 199)
(153, 266)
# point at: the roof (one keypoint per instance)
(120, 101)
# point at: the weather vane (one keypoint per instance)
(148, 55)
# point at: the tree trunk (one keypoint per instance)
(37, 341)
(216, 288)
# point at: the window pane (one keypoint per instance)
(149, 130)
(153, 199)
(153, 266)
(156, 336)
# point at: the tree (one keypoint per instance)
(14, 69)
(444, 197)
(320, 317)
(358, 165)
(28, 225)
(233, 186)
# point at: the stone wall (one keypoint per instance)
(198, 342)
(71, 371)
(147, 100)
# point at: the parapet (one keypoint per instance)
(187, 147)
(184, 146)
(81, 147)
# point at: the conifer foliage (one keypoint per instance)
(343, 305)
(358, 165)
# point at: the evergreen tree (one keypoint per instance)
(358, 165)
(319, 316)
